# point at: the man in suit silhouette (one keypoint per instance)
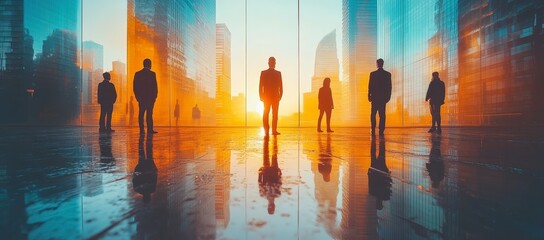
(270, 93)
(379, 94)
(145, 90)
(106, 98)
(436, 94)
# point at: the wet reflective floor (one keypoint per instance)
(232, 183)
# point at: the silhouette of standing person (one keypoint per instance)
(196, 114)
(270, 176)
(436, 94)
(145, 90)
(379, 178)
(106, 98)
(144, 179)
(270, 93)
(176, 112)
(435, 166)
(326, 104)
(379, 94)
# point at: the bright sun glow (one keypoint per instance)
(259, 108)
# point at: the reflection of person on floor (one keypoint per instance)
(144, 178)
(379, 178)
(435, 166)
(270, 176)
(326, 104)
(106, 155)
(324, 165)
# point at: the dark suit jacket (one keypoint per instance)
(436, 92)
(145, 86)
(106, 93)
(379, 86)
(270, 85)
(325, 99)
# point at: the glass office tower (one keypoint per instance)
(39, 65)
(487, 53)
(179, 38)
(359, 23)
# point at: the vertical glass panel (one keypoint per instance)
(39, 65)
(321, 57)
(105, 50)
(231, 62)
(273, 31)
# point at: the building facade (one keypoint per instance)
(359, 54)
(223, 74)
(326, 66)
(179, 38)
(39, 65)
(486, 53)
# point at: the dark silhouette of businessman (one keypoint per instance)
(436, 94)
(106, 98)
(379, 94)
(144, 179)
(270, 93)
(435, 166)
(326, 104)
(379, 178)
(270, 176)
(145, 90)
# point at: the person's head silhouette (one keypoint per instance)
(147, 63)
(106, 76)
(272, 62)
(435, 75)
(327, 82)
(379, 63)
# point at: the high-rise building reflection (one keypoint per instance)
(359, 47)
(39, 42)
(486, 52)
(326, 66)
(179, 37)
(223, 74)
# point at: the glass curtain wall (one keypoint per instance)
(208, 56)
(40, 77)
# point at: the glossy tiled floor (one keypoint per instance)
(231, 183)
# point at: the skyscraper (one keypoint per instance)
(359, 53)
(486, 53)
(40, 77)
(179, 38)
(326, 66)
(92, 66)
(223, 76)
